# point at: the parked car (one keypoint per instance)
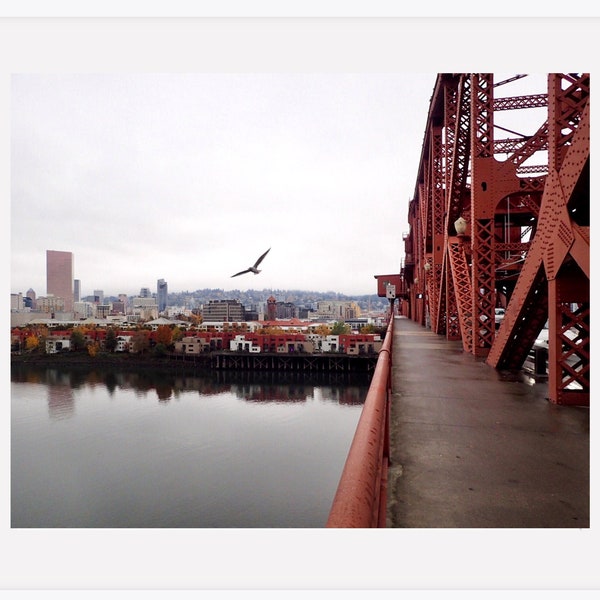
(499, 316)
(542, 339)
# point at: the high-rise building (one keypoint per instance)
(161, 295)
(124, 299)
(77, 290)
(16, 302)
(144, 307)
(31, 297)
(224, 310)
(117, 307)
(271, 308)
(99, 296)
(286, 310)
(59, 276)
(84, 309)
(51, 304)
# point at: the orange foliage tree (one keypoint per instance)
(32, 343)
(164, 335)
(93, 348)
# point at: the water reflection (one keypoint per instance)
(61, 404)
(339, 388)
(344, 388)
(106, 448)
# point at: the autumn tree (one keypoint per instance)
(36, 338)
(140, 341)
(32, 343)
(42, 332)
(195, 319)
(272, 330)
(177, 334)
(93, 349)
(323, 330)
(164, 335)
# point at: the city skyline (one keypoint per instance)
(60, 270)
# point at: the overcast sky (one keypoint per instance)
(191, 177)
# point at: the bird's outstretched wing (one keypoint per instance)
(261, 257)
(241, 273)
(254, 267)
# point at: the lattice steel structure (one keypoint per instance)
(524, 201)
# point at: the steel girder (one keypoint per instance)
(526, 246)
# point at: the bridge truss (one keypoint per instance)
(500, 218)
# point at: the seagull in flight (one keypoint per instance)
(254, 268)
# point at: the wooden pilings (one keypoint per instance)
(298, 362)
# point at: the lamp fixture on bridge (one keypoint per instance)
(460, 225)
(427, 267)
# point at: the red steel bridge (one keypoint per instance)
(498, 219)
(502, 219)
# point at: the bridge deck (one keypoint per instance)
(473, 447)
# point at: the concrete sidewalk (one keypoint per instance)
(473, 447)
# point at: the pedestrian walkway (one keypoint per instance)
(472, 447)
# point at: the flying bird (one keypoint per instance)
(254, 268)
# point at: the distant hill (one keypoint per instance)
(250, 298)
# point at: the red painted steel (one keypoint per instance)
(361, 496)
(525, 201)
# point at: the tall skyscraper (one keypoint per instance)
(124, 299)
(59, 276)
(77, 290)
(161, 295)
(271, 309)
(31, 297)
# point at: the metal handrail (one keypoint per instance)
(361, 496)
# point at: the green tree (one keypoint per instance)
(110, 343)
(339, 327)
(77, 340)
(160, 349)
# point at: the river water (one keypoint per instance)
(105, 449)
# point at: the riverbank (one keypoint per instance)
(103, 359)
(209, 361)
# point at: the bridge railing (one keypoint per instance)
(361, 496)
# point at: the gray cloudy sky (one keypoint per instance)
(190, 177)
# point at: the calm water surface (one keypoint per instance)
(106, 449)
